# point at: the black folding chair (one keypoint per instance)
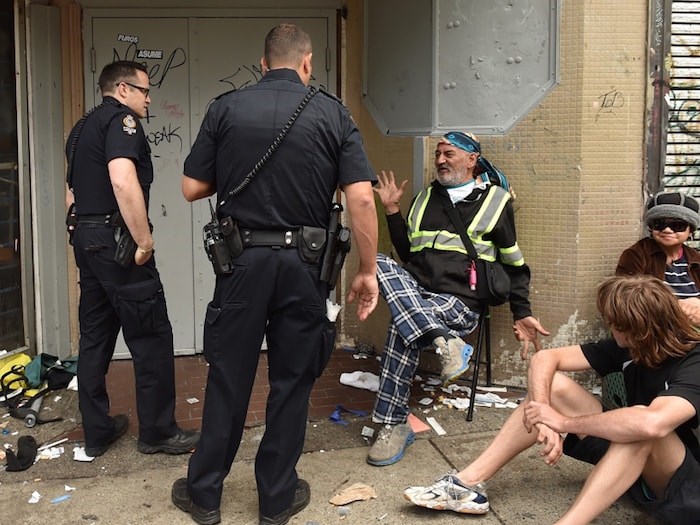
(483, 344)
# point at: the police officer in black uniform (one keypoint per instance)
(110, 171)
(272, 290)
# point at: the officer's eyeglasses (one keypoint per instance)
(143, 90)
(661, 224)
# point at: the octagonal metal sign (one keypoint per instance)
(458, 64)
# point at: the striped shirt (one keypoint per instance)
(677, 277)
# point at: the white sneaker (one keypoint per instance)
(448, 493)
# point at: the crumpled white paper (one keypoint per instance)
(460, 403)
(454, 387)
(489, 398)
(51, 453)
(80, 455)
(480, 400)
(360, 379)
(73, 385)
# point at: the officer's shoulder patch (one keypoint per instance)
(129, 121)
(322, 89)
(129, 124)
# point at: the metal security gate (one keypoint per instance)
(682, 162)
(683, 139)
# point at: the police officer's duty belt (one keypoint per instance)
(281, 238)
(98, 219)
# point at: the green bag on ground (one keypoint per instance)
(46, 367)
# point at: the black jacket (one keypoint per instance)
(442, 271)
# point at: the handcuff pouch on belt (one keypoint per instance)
(311, 241)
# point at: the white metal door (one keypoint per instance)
(192, 57)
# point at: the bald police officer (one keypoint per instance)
(110, 173)
(274, 288)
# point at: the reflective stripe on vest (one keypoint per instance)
(512, 255)
(483, 223)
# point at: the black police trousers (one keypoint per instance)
(112, 297)
(271, 293)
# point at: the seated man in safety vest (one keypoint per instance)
(432, 298)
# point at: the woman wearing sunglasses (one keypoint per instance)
(672, 218)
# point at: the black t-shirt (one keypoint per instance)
(111, 131)
(676, 376)
(295, 187)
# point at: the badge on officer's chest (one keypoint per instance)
(129, 125)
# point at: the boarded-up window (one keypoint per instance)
(11, 322)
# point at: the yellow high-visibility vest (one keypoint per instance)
(483, 223)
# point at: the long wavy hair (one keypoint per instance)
(645, 309)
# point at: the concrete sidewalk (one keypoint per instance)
(125, 487)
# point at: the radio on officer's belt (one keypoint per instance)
(215, 245)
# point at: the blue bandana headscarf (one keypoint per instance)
(463, 141)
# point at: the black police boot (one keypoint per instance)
(181, 498)
(121, 424)
(182, 442)
(302, 497)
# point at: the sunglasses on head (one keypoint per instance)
(675, 225)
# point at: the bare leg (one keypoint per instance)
(510, 441)
(567, 397)
(657, 460)
(663, 462)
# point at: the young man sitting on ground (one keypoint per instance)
(648, 448)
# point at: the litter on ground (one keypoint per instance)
(355, 492)
(437, 427)
(360, 379)
(80, 455)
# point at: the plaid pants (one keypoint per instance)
(414, 312)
